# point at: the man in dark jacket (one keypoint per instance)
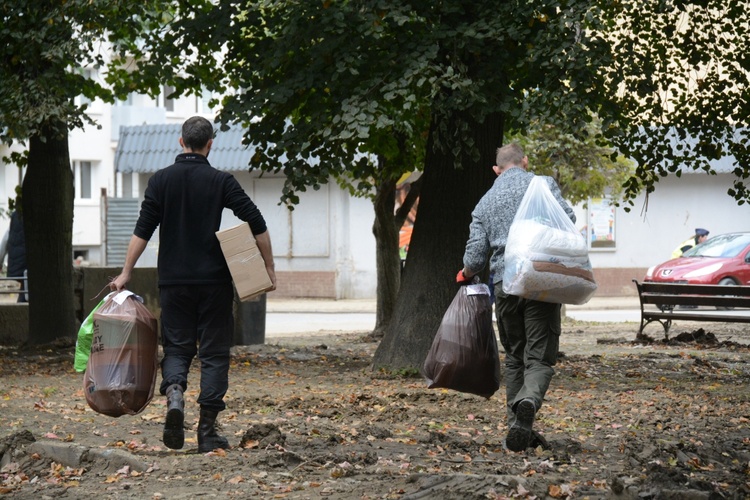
(186, 201)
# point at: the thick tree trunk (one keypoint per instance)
(387, 257)
(437, 245)
(48, 223)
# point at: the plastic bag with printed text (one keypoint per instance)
(121, 370)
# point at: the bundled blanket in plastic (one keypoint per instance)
(547, 264)
(464, 355)
(546, 257)
(121, 370)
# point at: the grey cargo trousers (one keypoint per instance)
(530, 334)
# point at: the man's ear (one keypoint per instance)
(182, 143)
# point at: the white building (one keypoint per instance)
(325, 247)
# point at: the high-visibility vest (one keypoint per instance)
(689, 243)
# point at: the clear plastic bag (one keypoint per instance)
(464, 355)
(546, 258)
(121, 370)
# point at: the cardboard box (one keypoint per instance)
(245, 262)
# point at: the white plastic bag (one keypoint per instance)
(546, 258)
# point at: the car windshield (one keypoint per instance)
(724, 245)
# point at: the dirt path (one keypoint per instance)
(308, 419)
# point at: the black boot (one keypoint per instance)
(521, 431)
(174, 432)
(208, 440)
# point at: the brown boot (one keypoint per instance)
(174, 432)
(208, 439)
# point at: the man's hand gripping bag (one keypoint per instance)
(464, 355)
(121, 370)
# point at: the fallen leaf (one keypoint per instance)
(554, 491)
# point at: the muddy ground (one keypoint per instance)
(307, 418)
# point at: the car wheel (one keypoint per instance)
(726, 282)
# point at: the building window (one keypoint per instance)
(202, 102)
(82, 173)
(168, 101)
(87, 74)
(128, 101)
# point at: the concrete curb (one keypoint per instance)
(73, 455)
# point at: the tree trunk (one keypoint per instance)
(387, 257)
(47, 198)
(437, 245)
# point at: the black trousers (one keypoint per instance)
(197, 320)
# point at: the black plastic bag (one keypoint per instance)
(464, 355)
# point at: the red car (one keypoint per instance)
(721, 260)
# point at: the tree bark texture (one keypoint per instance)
(47, 198)
(388, 260)
(437, 246)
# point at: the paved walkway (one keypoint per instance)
(274, 305)
(288, 317)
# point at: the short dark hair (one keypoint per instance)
(196, 132)
(509, 155)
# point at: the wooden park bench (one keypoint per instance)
(730, 304)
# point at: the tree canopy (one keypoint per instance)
(45, 49)
(321, 85)
(679, 87)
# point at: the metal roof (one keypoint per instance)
(148, 148)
